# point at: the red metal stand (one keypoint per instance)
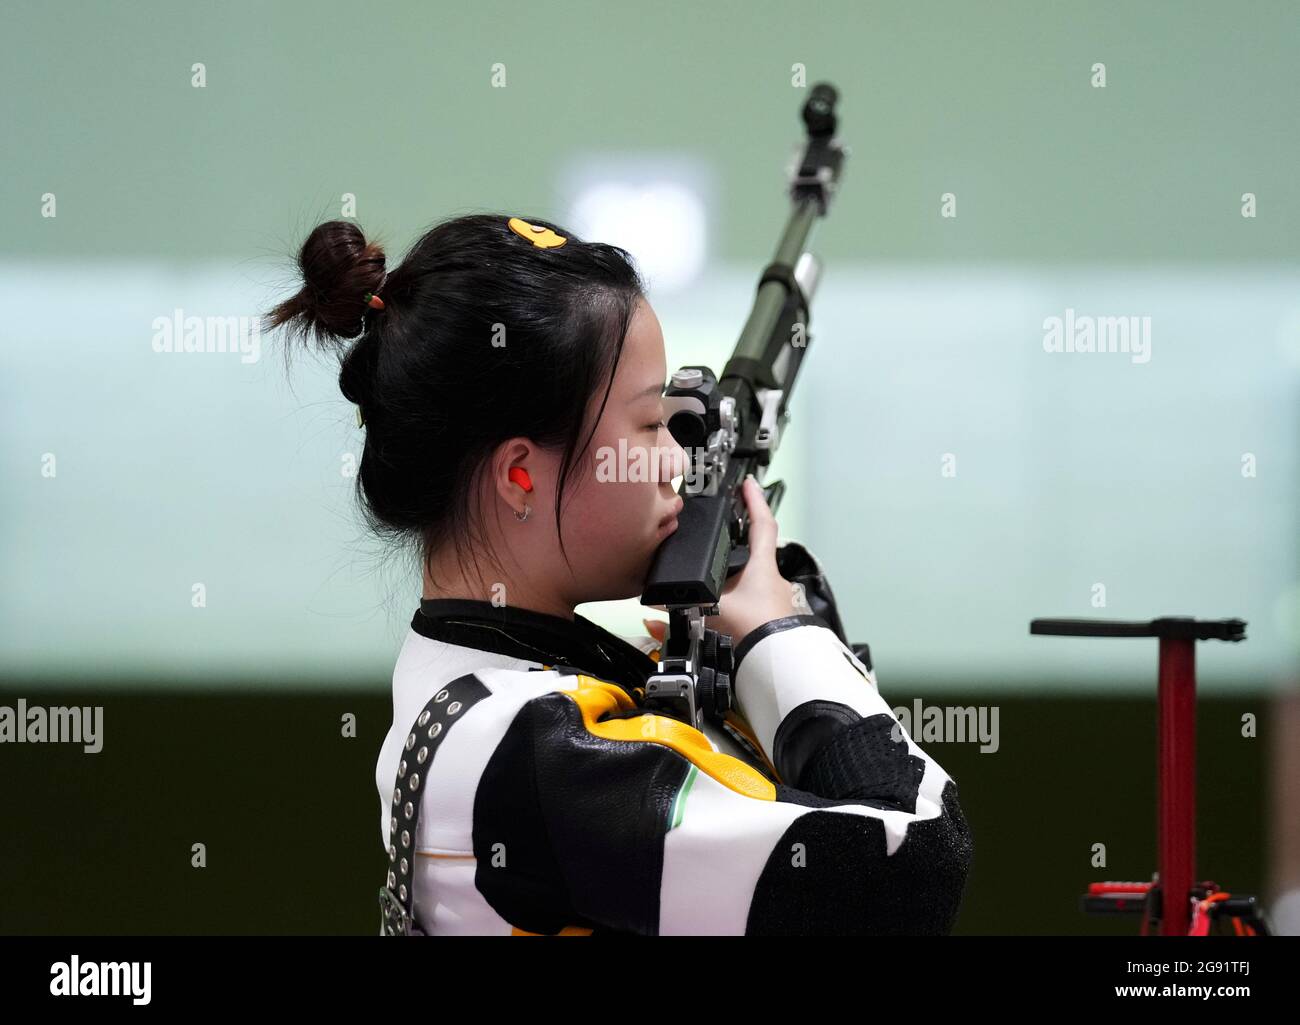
(1171, 897)
(1176, 781)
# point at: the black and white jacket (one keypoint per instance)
(550, 802)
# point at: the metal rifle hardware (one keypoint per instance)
(731, 427)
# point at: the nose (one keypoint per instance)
(673, 460)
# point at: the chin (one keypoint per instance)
(636, 579)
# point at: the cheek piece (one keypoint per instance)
(520, 476)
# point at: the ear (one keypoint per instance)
(519, 452)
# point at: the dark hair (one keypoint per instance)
(483, 336)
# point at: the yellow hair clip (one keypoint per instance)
(540, 236)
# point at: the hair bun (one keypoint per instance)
(340, 269)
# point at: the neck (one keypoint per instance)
(515, 593)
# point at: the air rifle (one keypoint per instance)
(730, 426)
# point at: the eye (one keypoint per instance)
(655, 426)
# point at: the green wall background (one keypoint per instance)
(927, 331)
(394, 102)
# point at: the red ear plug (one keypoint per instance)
(520, 476)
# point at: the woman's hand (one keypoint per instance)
(758, 593)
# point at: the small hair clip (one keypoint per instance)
(361, 421)
(374, 302)
(538, 234)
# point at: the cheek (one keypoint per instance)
(610, 535)
(617, 496)
(608, 525)
(605, 512)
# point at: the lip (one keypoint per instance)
(671, 519)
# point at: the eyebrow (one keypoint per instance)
(654, 389)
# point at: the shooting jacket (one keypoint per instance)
(524, 790)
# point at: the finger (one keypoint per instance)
(656, 628)
(762, 524)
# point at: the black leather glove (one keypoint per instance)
(800, 566)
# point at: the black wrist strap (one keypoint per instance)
(449, 705)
